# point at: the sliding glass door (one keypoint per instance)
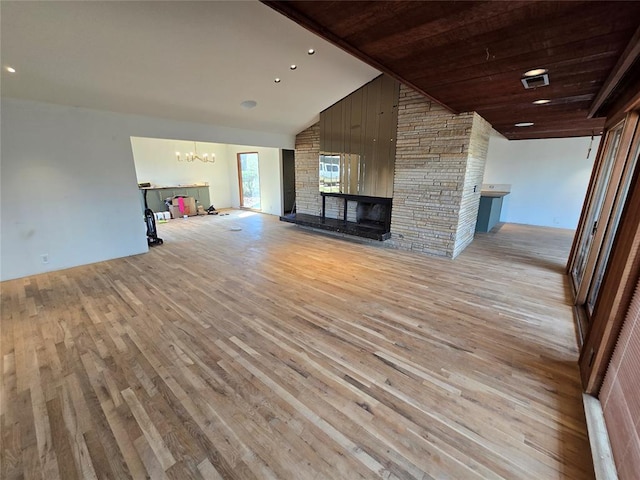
(616, 167)
(614, 220)
(594, 217)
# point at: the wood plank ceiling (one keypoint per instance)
(471, 56)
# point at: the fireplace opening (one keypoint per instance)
(372, 214)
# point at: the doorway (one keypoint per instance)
(249, 180)
(288, 181)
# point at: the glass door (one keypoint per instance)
(249, 180)
(612, 228)
(616, 168)
(589, 234)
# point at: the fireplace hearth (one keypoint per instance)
(373, 217)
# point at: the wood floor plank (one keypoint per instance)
(11, 460)
(207, 470)
(124, 442)
(62, 442)
(276, 352)
(155, 440)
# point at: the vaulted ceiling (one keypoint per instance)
(189, 61)
(471, 56)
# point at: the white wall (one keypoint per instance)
(68, 189)
(270, 165)
(548, 177)
(155, 161)
(68, 183)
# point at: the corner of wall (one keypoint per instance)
(476, 160)
(432, 151)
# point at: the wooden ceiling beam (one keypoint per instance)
(509, 86)
(557, 133)
(524, 102)
(559, 129)
(626, 60)
(543, 122)
(552, 125)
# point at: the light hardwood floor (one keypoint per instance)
(277, 353)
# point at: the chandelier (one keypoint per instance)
(194, 155)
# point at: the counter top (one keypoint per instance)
(493, 193)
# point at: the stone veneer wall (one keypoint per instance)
(307, 167)
(439, 158)
(308, 199)
(476, 160)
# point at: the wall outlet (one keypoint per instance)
(45, 257)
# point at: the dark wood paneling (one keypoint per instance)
(469, 56)
(560, 130)
(625, 62)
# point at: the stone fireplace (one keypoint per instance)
(439, 159)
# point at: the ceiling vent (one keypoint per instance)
(536, 81)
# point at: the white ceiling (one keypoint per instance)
(193, 61)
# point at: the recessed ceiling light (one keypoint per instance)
(524, 124)
(535, 71)
(248, 104)
(293, 67)
(311, 51)
(11, 70)
(542, 101)
(277, 80)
